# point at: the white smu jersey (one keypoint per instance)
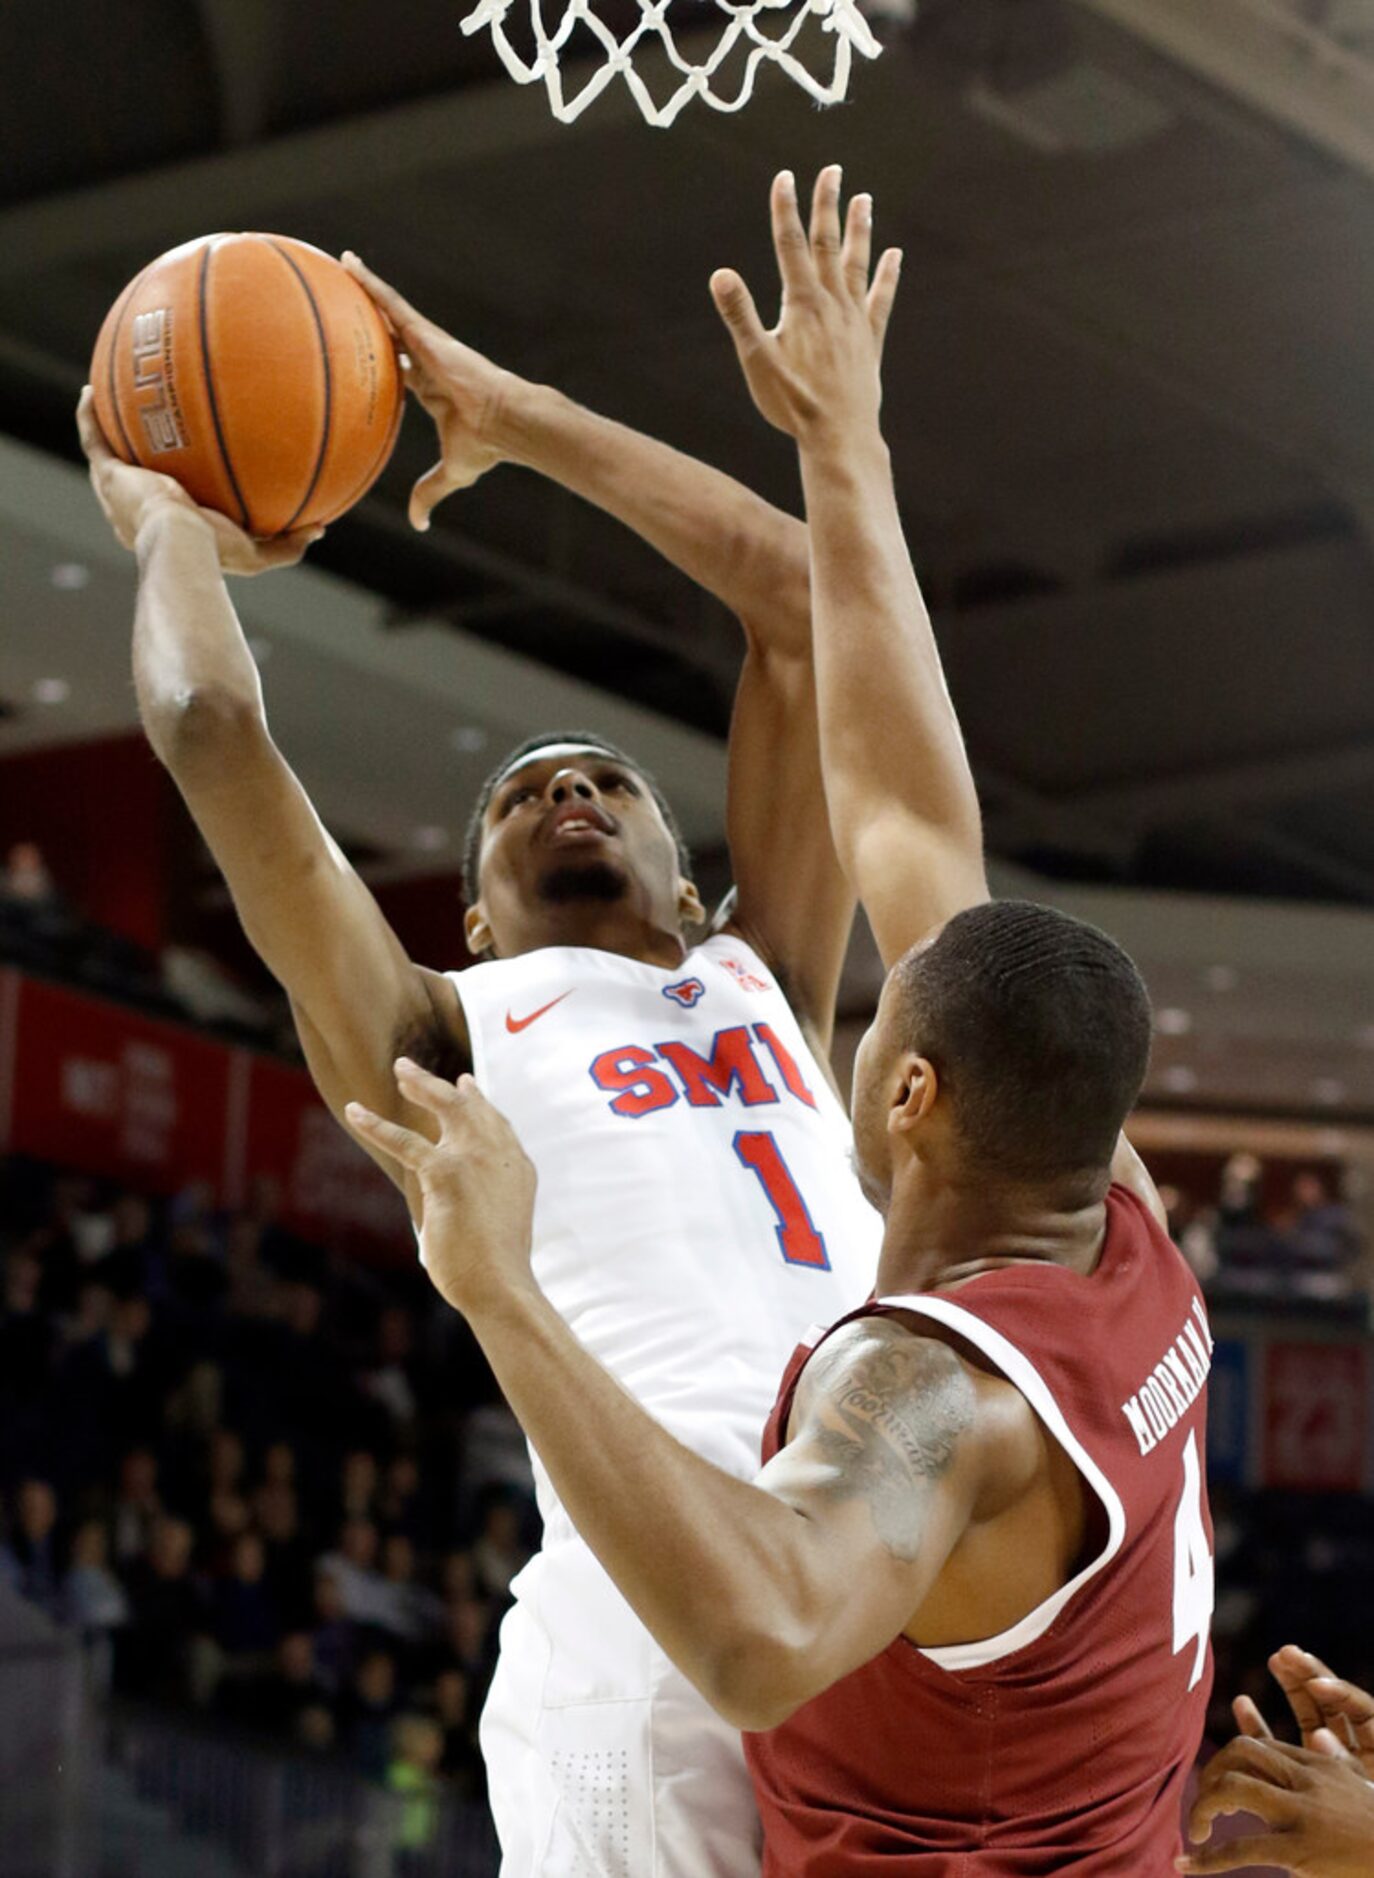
(697, 1209)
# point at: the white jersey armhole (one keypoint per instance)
(1023, 1376)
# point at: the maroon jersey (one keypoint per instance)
(1063, 1745)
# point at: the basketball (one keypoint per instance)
(255, 371)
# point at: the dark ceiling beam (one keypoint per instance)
(1231, 788)
(1272, 59)
(372, 150)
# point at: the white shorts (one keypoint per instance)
(602, 1760)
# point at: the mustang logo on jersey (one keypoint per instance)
(686, 992)
(742, 1060)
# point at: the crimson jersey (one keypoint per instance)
(1063, 1745)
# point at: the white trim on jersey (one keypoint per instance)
(1023, 1375)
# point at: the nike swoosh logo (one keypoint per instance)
(516, 1024)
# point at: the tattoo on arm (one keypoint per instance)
(888, 1419)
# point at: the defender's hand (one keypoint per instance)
(464, 393)
(818, 367)
(130, 495)
(476, 1181)
(1319, 1812)
(1336, 1717)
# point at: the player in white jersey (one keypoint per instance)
(662, 1084)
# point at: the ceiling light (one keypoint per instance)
(1222, 977)
(51, 691)
(430, 838)
(1171, 1022)
(469, 739)
(70, 576)
(1180, 1079)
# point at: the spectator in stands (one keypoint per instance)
(295, 1685)
(417, 1750)
(358, 1486)
(26, 1349)
(353, 1566)
(414, 1613)
(335, 1636)
(456, 1714)
(368, 1707)
(245, 1622)
(29, 1560)
(498, 1553)
(137, 1506)
(93, 1601)
(402, 1504)
(153, 1657)
(393, 1382)
(290, 1558)
(25, 879)
(1326, 1241)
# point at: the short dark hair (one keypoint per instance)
(583, 740)
(1038, 1026)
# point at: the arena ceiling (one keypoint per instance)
(1129, 397)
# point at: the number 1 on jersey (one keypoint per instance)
(801, 1243)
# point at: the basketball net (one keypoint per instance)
(840, 18)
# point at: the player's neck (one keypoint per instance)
(601, 929)
(941, 1231)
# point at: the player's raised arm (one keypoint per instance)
(902, 801)
(762, 1594)
(794, 903)
(356, 997)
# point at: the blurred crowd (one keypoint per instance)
(1294, 1239)
(259, 1483)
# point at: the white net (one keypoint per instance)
(742, 38)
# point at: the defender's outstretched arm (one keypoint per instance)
(902, 800)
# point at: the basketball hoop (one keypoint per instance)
(741, 35)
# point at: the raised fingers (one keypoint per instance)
(735, 304)
(402, 1144)
(1250, 1721)
(826, 243)
(789, 237)
(882, 294)
(857, 254)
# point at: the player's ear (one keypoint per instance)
(476, 930)
(917, 1087)
(690, 910)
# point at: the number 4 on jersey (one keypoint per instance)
(1194, 1574)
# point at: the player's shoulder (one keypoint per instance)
(901, 1359)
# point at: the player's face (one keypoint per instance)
(570, 828)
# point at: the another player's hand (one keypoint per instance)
(476, 1182)
(1318, 1812)
(130, 495)
(1336, 1717)
(818, 368)
(463, 392)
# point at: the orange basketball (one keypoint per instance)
(258, 373)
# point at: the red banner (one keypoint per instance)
(104, 1090)
(1315, 1416)
(330, 1190)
